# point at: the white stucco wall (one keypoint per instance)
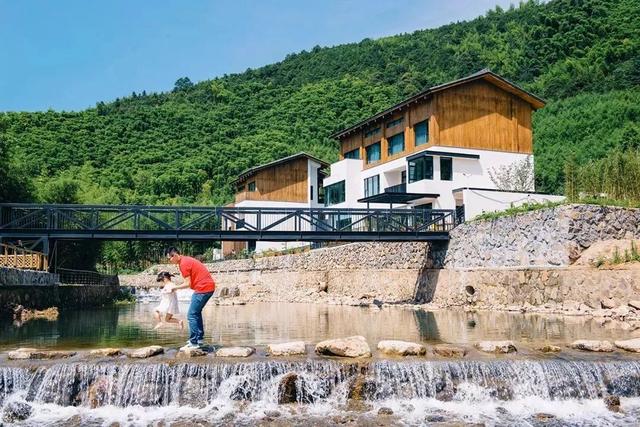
(478, 201)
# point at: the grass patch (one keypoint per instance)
(515, 210)
(629, 255)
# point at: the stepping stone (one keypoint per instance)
(632, 345)
(355, 346)
(287, 349)
(593, 345)
(235, 352)
(401, 348)
(106, 352)
(33, 353)
(549, 348)
(449, 351)
(498, 347)
(145, 352)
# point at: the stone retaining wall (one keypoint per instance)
(17, 277)
(546, 237)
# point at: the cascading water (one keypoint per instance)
(500, 391)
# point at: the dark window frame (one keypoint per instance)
(420, 169)
(329, 195)
(368, 147)
(357, 151)
(374, 188)
(450, 176)
(395, 122)
(389, 144)
(251, 187)
(426, 134)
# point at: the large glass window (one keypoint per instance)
(396, 143)
(446, 168)
(421, 168)
(373, 152)
(334, 193)
(251, 186)
(353, 154)
(422, 132)
(372, 186)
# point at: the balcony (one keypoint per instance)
(399, 188)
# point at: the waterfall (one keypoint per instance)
(320, 385)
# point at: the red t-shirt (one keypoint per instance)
(201, 280)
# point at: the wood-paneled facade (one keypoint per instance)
(285, 182)
(482, 111)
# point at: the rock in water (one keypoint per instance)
(106, 352)
(33, 353)
(144, 352)
(449, 351)
(235, 352)
(16, 411)
(385, 411)
(549, 348)
(287, 349)
(192, 352)
(401, 348)
(499, 347)
(629, 345)
(355, 346)
(613, 403)
(287, 390)
(593, 345)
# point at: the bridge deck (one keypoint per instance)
(220, 223)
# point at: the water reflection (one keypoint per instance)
(260, 324)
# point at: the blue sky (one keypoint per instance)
(69, 54)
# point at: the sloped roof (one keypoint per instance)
(252, 171)
(485, 74)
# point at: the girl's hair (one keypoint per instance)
(163, 275)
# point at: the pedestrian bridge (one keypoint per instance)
(132, 222)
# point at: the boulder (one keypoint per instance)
(385, 411)
(192, 352)
(323, 287)
(105, 352)
(16, 411)
(287, 390)
(144, 352)
(632, 345)
(549, 348)
(592, 345)
(33, 353)
(287, 348)
(401, 348)
(355, 346)
(498, 347)
(449, 351)
(235, 352)
(608, 303)
(544, 417)
(613, 403)
(634, 304)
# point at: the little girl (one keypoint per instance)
(168, 306)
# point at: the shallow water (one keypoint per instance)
(263, 323)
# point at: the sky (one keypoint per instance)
(70, 54)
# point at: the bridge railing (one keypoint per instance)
(82, 277)
(87, 218)
(16, 257)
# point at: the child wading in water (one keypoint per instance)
(168, 306)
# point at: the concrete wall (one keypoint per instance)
(478, 201)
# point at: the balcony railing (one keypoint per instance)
(400, 188)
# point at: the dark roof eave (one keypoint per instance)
(397, 197)
(534, 100)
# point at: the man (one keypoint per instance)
(197, 277)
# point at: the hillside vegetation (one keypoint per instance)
(184, 146)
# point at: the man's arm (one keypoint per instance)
(185, 284)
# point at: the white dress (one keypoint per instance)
(168, 302)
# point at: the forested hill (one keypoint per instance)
(184, 146)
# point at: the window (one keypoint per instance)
(446, 168)
(311, 192)
(373, 152)
(396, 143)
(421, 168)
(395, 122)
(372, 186)
(251, 186)
(422, 132)
(372, 132)
(353, 154)
(334, 193)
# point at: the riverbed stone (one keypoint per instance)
(235, 352)
(549, 348)
(287, 389)
(145, 352)
(33, 353)
(355, 346)
(632, 345)
(385, 411)
(401, 348)
(498, 347)
(16, 411)
(106, 352)
(593, 345)
(613, 403)
(449, 351)
(192, 352)
(634, 304)
(287, 349)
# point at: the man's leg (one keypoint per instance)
(195, 311)
(205, 299)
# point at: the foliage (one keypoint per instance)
(616, 176)
(517, 176)
(629, 255)
(186, 145)
(124, 297)
(515, 210)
